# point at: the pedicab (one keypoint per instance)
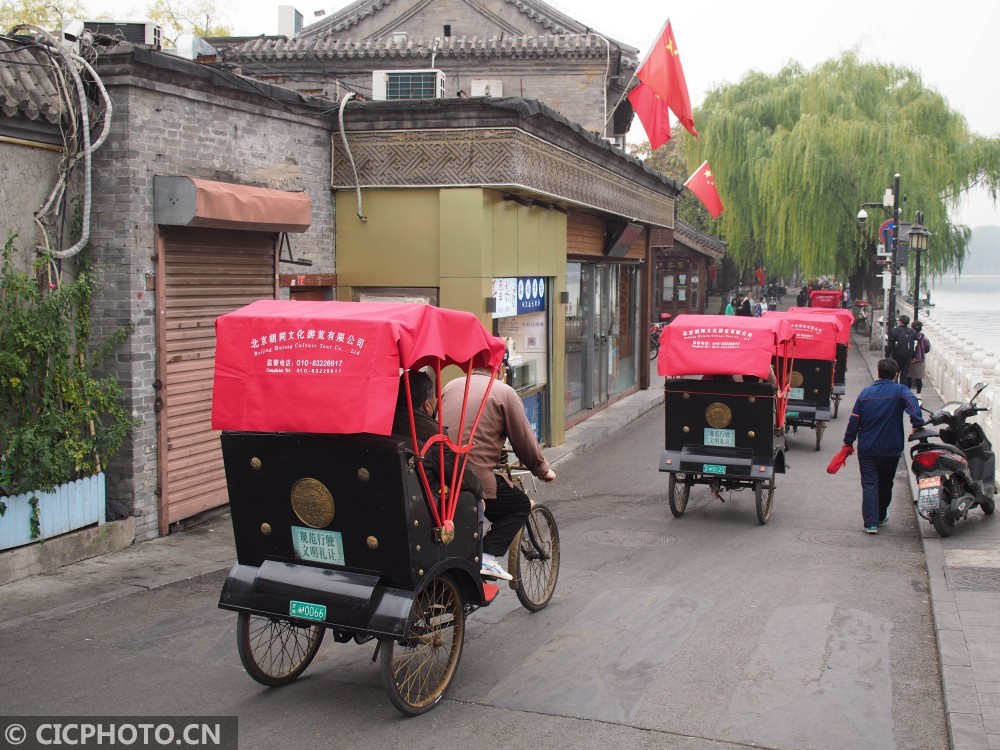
(828, 298)
(722, 432)
(812, 375)
(339, 525)
(846, 319)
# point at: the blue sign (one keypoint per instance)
(533, 409)
(530, 294)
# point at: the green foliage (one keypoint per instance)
(57, 421)
(796, 154)
(46, 14)
(176, 17)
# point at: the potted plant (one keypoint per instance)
(59, 421)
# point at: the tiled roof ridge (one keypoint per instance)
(585, 45)
(26, 89)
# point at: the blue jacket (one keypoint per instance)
(877, 419)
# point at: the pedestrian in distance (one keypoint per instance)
(901, 346)
(877, 424)
(918, 365)
(731, 306)
(744, 305)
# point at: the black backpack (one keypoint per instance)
(904, 342)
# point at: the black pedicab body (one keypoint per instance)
(340, 525)
(722, 431)
(811, 391)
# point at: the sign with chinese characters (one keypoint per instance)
(518, 295)
(530, 294)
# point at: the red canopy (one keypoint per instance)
(333, 367)
(828, 298)
(722, 345)
(815, 335)
(845, 317)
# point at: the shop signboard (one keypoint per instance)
(530, 294)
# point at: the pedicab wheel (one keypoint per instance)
(533, 559)
(678, 492)
(764, 495)
(988, 506)
(820, 429)
(836, 406)
(943, 522)
(274, 652)
(419, 667)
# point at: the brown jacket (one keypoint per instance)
(503, 419)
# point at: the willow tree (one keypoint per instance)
(796, 154)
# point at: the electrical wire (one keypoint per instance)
(350, 157)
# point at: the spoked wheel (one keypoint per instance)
(836, 406)
(418, 669)
(533, 559)
(678, 491)
(943, 522)
(820, 429)
(764, 495)
(275, 652)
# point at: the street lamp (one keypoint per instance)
(890, 200)
(918, 243)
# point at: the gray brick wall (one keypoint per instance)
(166, 123)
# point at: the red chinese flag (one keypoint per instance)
(663, 73)
(702, 184)
(652, 112)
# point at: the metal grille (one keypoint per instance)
(411, 86)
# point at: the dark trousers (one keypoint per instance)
(506, 513)
(877, 475)
(904, 368)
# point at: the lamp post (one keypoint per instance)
(891, 199)
(918, 242)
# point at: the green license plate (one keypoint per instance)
(307, 611)
(318, 545)
(713, 469)
(791, 414)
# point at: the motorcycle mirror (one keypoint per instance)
(978, 388)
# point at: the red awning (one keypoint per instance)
(815, 335)
(722, 345)
(829, 298)
(333, 367)
(191, 202)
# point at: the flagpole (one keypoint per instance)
(625, 91)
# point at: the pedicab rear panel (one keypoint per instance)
(720, 428)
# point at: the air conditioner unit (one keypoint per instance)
(487, 88)
(407, 84)
(139, 33)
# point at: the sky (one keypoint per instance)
(951, 44)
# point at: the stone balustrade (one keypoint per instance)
(955, 364)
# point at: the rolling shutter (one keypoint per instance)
(208, 272)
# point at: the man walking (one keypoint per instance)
(877, 423)
(901, 346)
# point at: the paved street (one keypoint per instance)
(707, 631)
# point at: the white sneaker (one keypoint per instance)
(493, 569)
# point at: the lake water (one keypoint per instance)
(969, 306)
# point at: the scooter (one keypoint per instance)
(861, 317)
(958, 472)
